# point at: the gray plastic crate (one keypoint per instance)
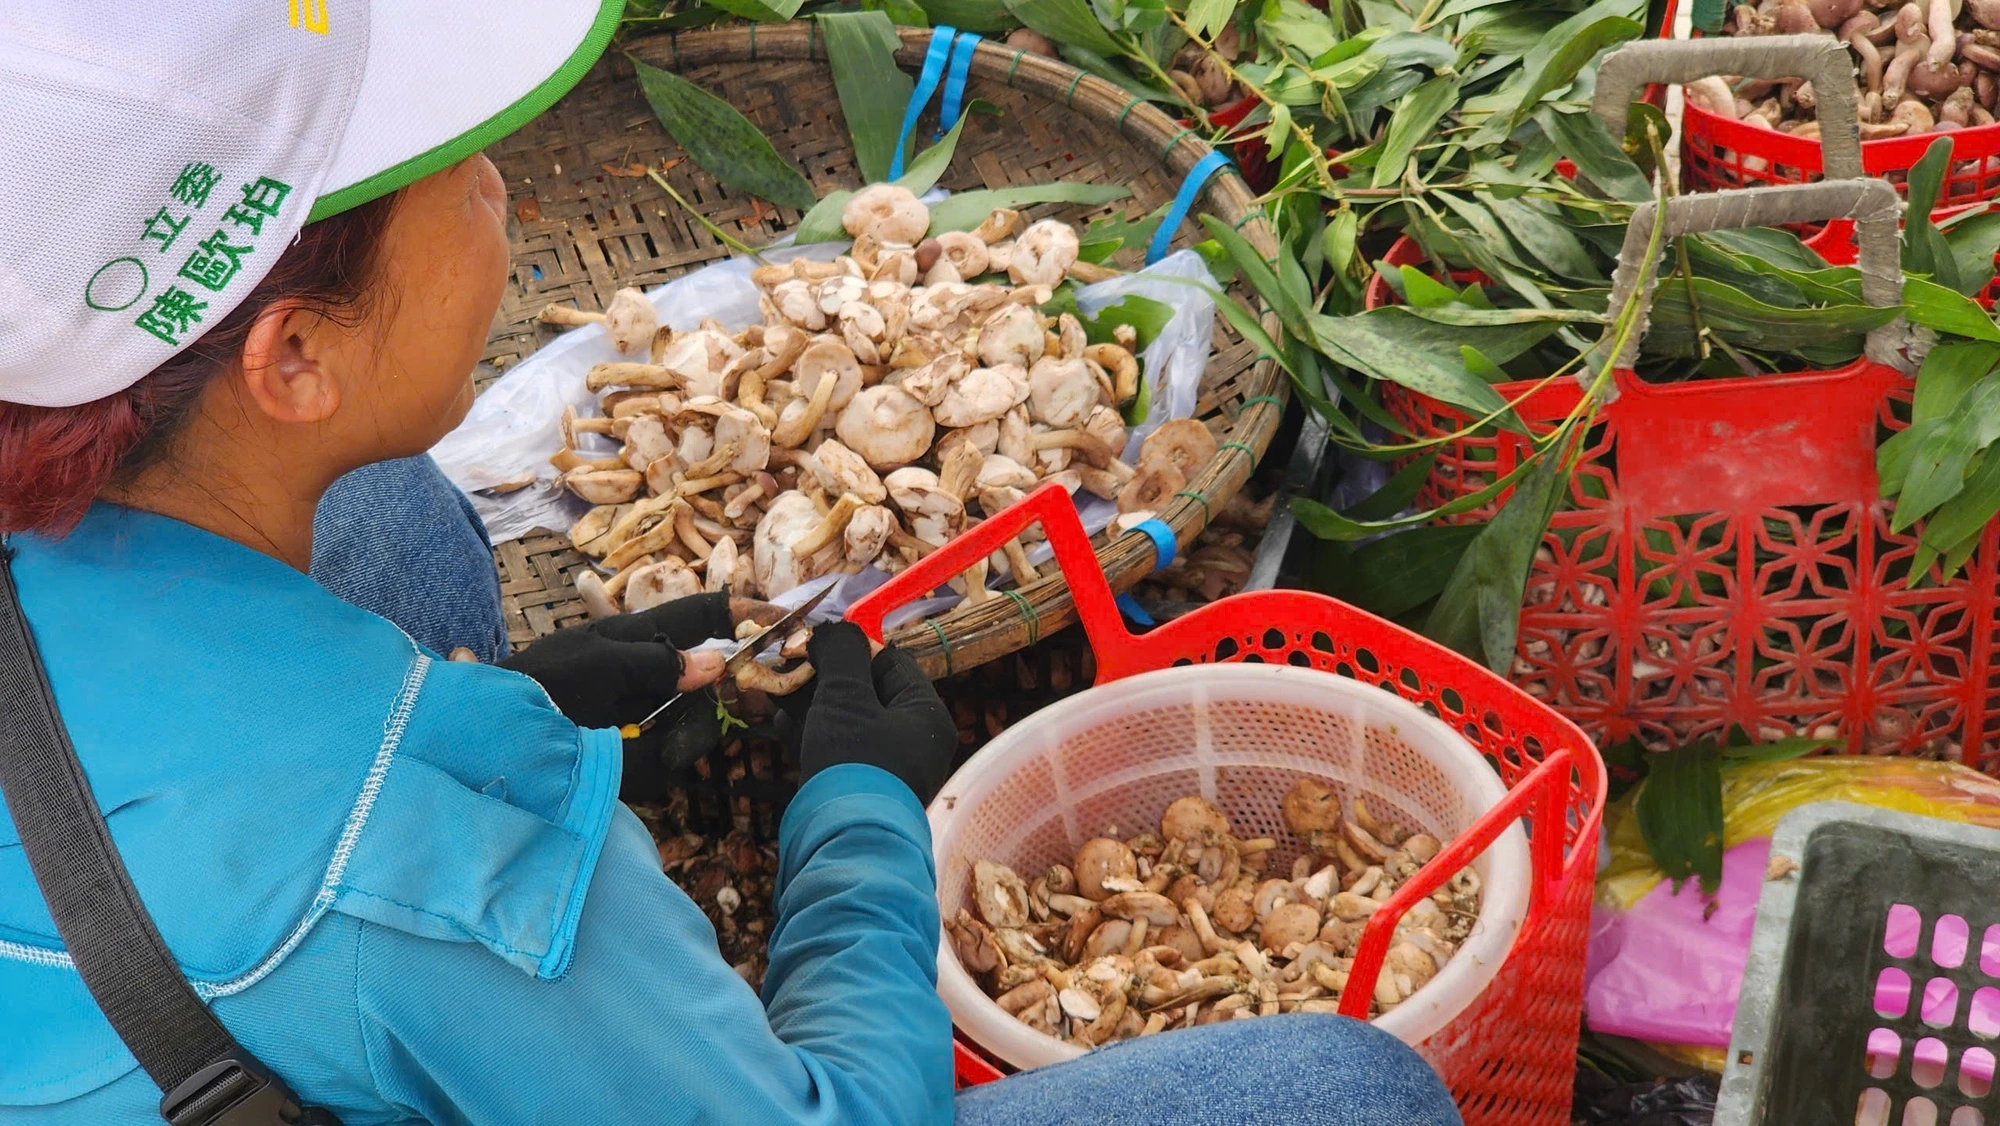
(1872, 992)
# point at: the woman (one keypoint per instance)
(407, 885)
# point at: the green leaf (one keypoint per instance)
(1935, 307)
(1209, 17)
(1567, 47)
(1893, 456)
(1924, 248)
(1962, 518)
(1396, 494)
(1414, 121)
(1679, 812)
(1397, 345)
(1974, 238)
(1399, 572)
(1337, 241)
(1327, 524)
(1259, 273)
(1581, 137)
(776, 12)
(1550, 242)
(1940, 459)
(1113, 233)
(1950, 370)
(721, 140)
(904, 13)
(967, 210)
(1479, 613)
(1477, 363)
(1779, 750)
(1065, 21)
(986, 17)
(861, 49)
(1420, 291)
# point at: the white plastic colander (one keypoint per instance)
(1108, 761)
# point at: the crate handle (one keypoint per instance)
(1051, 505)
(1542, 794)
(1872, 204)
(1820, 59)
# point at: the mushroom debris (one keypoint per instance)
(1187, 926)
(1926, 66)
(890, 399)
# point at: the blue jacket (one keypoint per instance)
(408, 885)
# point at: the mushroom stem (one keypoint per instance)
(741, 502)
(597, 601)
(762, 678)
(569, 461)
(829, 528)
(714, 463)
(1017, 562)
(1088, 446)
(1123, 367)
(688, 533)
(1944, 37)
(790, 432)
(569, 315)
(628, 374)
(898, 538)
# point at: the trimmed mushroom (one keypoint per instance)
(1014, 335)
(795, 543)
(659, 583)
(867, 534)
(1043, 253)
(887, 426)
(841, 470)
(888, 212)
(982, 395)
(725, 569)
(1061, 393)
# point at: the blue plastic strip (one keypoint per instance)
(1131, 608)
(954, 81)
(1163, 239)
(927, 84)
(1163, 542)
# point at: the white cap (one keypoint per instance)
(164, 155)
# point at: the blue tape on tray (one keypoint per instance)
(1131, 609)
(954, 81)
(927, 84)
(1164, 547)
(1163, 239)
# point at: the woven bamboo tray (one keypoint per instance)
(582, 231)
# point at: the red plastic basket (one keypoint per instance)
(1509, 1058)
(1725, 559)
(1721, 152)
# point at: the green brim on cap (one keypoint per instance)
(486, 132)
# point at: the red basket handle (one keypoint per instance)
(1050, 504)
(1543, 794)
(1820, 59)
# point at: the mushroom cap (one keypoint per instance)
(965, 251)
(750, 436)
(1016, 436)
(1014, 335)
(914, 489)
(887, 426)
(1001, 471)
(699, 358)
(1153, 487)
(982, 395)
(659, 583)
(1043, 253)
(1107, 426)
(984, 437)
(1061, 392)
(630, 321)
(842, 470)
(723, 563)
(1183, 441)
(797, 302)
(930, 383)
(791, 517)
(867, 533)
(891, 213)
(828, 356)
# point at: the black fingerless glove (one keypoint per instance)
(616, 670)
(882, 712)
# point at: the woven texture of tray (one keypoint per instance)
(582, 230)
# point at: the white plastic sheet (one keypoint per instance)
(515, 426)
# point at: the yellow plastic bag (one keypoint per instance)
(1756, 796)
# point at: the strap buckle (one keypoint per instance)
(238, 1092)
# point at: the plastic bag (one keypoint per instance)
(1666, 966)
(1602, 1101)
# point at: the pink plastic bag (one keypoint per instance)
(1669, 969)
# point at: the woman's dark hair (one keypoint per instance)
(55, 460)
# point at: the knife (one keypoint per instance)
(738, 657)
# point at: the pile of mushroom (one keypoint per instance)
(890, 398)
(1926, 66)
(1186, 926)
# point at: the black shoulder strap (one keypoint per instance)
(209, 1079)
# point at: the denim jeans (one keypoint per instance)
(1307, 1069)
(398, 539)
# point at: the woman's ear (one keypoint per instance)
(285, 365)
